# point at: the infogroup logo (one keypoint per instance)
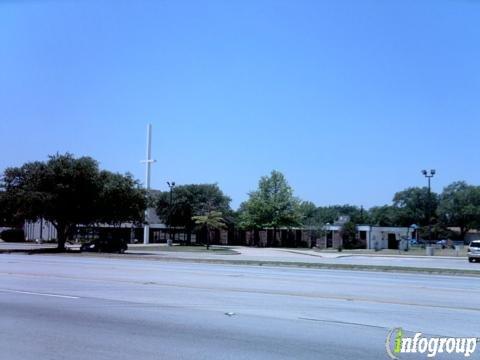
(397, 343)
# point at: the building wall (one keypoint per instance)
(337, 240)
(223, 237)
(321, 243)
(377, 236)
(39, 230)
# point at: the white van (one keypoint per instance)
(474, 251)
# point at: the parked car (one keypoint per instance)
(12, 235)
(442, 243)
(474, 251)
(454, 243)
(105, 245)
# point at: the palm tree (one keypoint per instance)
(211, 220)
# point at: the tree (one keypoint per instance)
(191, 200)
(460, 206)
(325, 214)
(211, 220)
(329, 214)
(271, 206)
(121, 199)
(355, 213)
(415, 205)
(308, 212)
(385, 215)
(6, 214)
(69, 191)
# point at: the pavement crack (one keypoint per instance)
(344, 323)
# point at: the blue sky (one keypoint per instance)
(350, 99)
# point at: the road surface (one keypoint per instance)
(60, 307)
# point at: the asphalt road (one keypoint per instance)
(60, 307)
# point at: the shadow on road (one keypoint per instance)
(40, 251)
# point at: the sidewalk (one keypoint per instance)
(25, 246)
(345, 253)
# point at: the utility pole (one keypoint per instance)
(148, 164)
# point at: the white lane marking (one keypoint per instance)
(39, 294)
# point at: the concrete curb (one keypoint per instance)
(351, 267)
(401, 256)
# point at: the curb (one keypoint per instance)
(462, 257)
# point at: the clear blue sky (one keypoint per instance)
(349, 98)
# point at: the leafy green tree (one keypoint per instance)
(62, 190)
(329, 214)
(272, 205)
(325, 214)
(460, 206)
(308, 212)
(121, 199)
(69, 191)
(210, 221)
(356, 214)
(386, 215)
(191, 200)
(6, 212)
(415, 205)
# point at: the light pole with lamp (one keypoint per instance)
(327, 225)
(171, 185)
(412, 227)
(429, 176)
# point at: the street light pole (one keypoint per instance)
(171, 186)
(328, 226)
(429, 176)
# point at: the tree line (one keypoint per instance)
(69, 191)
(273, 205)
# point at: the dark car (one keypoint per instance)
(105, 245)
